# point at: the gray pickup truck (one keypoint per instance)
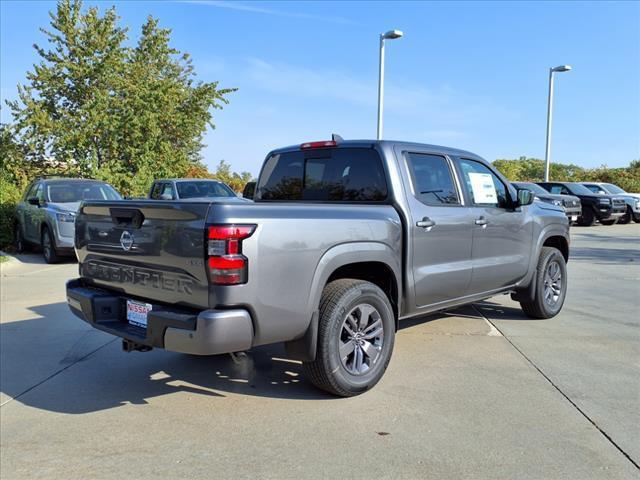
(343, 240)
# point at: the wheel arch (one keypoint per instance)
(375, 262)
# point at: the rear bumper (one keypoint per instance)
(206, 332)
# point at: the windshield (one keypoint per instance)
(197, 189)
(328, 174)
(531, 186)
(611, 188)
(75, 191)
(578, 189)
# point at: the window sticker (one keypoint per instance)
(483, 188)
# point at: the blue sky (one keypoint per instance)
(471, 75)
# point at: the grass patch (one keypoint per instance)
(4, 258)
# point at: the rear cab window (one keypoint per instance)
(324, 175)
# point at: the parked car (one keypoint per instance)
(570, 203)
(632, 199)
(607, 209)
(45, 216)
(343, 240)
(190, 188)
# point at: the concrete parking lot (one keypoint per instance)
(480, 392)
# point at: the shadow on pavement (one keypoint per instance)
(497, 311)
(103, 377)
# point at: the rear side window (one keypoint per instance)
(334, 175)
(432, 179)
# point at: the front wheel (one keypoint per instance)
(356, 333)
(551, 285)
(626, 218)
(587, 218)
(18, 239)
(49, 247)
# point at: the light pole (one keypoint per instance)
(547, 155)
(390, 35)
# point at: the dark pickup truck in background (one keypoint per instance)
(606, 209)
(570, 204)
(343, 240)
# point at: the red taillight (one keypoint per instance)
(227, 265)
(322, 144)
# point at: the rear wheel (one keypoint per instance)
(49, 247)
(608, 223)
(587, 218)
(636, 217)
(551, 285)
(355, 338)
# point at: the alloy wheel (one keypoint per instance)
(552, 283)
(361, 339)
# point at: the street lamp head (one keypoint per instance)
(392, 34)
(561, 68)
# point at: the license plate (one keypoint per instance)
(137, 313)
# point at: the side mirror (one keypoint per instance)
(249, 190)
(33, 201)
(525, 197)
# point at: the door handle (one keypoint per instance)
(426, 222)
(481, 221)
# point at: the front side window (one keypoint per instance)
(596, 189)
(432, 179)
(330, 175)
(483, 185)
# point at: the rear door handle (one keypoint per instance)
(426, 222)
(481, 221)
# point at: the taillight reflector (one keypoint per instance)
(227, 265)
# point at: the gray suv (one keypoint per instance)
(46, 214)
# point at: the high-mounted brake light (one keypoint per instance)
(227, 265)
(322, 144)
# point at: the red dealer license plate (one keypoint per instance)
(137, 313)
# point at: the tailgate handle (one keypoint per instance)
(131, 216)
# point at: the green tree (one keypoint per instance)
(105, 110)
(235, 180)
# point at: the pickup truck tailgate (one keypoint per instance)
(154, 250)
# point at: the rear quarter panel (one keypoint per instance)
(294, 249)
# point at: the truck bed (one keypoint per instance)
(166, 262)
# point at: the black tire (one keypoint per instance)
(19, 242)
(636, 218)
(608, 223)
(339, 306)
(626, 218)
(587, 218)
(48, 247)
(540, 307)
